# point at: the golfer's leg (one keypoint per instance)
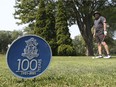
(106, 47)
(100, 49)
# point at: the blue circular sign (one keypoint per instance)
(29, 56)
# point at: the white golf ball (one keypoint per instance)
(93, 57)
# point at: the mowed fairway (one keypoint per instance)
(66, 72)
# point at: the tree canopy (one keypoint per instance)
(78, 12)
(62, 32)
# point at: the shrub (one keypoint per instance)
(66, 50)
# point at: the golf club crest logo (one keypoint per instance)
(31, 51)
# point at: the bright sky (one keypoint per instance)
(7, 21)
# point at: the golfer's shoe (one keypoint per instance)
(99, 57)
(107, 57)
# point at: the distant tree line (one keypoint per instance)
(81, 50)
(6, 38)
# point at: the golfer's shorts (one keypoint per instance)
(100, 38)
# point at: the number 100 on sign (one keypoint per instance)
(26, 66)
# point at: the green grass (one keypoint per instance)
(66, 72)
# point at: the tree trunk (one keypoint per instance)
(89, 43)
(85, 29)
(90, 48)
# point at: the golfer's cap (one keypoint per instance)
(96, 12)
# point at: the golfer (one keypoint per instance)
(99, 34)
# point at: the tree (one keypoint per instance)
(81, 12)
(15, 34)
(40, 24)
(40, 16)
(26, 11)
(50, 27)
(63, 36)
(113, 48)
(5, 39)
(79, 45)
(45, 24)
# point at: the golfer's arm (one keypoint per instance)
(94, 32)
(105, 25)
